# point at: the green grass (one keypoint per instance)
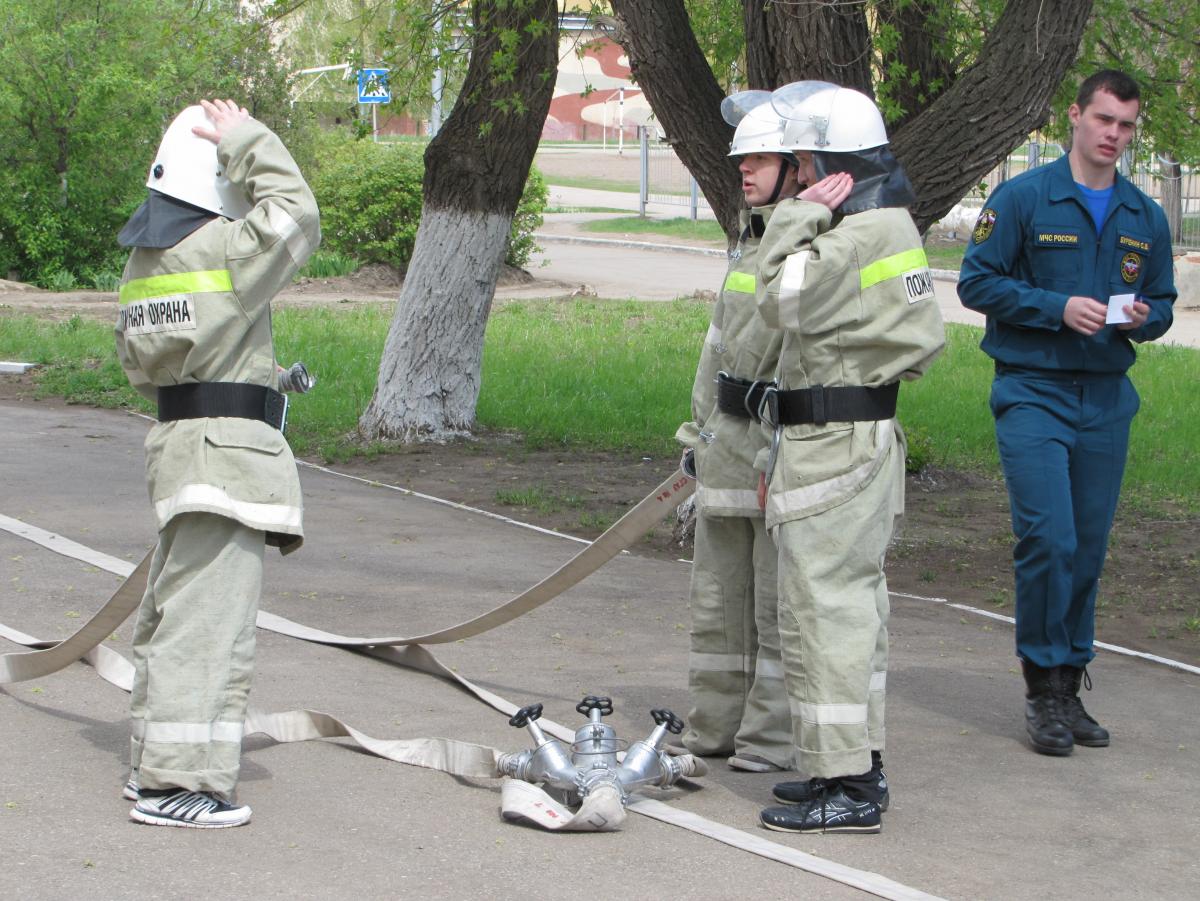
(538, 497)
(329, 264)
(594, 182)
(603, 375)
(946, 256)
(582, 209)
(679, 227)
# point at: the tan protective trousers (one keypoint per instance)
(735, 674)
(193, 653)
(833, 613)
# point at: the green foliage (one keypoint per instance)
(370, 198)
(1155, 42)
(527, 219)
(86, 89)
(329, 264)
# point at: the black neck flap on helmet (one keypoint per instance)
(879, 179)
(162, 221)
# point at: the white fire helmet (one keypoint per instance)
(759, 127)
(187, 169)
(823, 116)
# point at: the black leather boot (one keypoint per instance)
(1045, 713)
(1085, 730)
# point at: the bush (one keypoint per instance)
(370, 198)
(527, 219)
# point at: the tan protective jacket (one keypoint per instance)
(856, 306)
(741, 344)
(200, 312)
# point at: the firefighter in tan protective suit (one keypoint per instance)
(735, 676)
(848, 285)
(735, 673)
(228, 223)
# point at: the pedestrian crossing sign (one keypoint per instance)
(373, 86)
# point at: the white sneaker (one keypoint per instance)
(180, 807)
(752, 763)
(131, 792)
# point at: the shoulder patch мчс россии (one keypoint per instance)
(984, 225)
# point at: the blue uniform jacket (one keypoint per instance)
(1035, 245)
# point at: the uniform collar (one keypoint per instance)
(1063, 187)
(762, 212)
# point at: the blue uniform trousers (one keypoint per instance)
(1063, 438)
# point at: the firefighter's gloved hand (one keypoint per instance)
(296, 380)
(688, 463)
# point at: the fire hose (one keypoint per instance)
(520, 800)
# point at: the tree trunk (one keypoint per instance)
(826, 41)
(670, 67)
(761, 73)
(475, 171)
(1172, 195)
(992, 106)
(948, 142)
(929, 72)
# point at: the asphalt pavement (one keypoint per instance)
(974, 814)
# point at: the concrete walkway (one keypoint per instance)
(975, 814)
(619, 267)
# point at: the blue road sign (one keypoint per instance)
(373, 86)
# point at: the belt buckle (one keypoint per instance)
(752, 412)
(768, 407)
(275, 407)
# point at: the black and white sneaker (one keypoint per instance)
(807, 790)
(832, 810)
(131, 792)
(194, 810)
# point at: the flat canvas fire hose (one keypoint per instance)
(521, 801)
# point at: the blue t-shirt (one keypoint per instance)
(1097, 203)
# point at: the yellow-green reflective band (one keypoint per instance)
(181, 283)
(890, 267)
(740, 281)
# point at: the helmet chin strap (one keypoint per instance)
(784, 165)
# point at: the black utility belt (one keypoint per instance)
(204, 400)
(740, 397)
(819, 405)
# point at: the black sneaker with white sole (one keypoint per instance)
(832, 810)
(808, 789)
(193, 810)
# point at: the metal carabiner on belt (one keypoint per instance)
(768, 412)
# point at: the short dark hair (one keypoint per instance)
(1114, 81)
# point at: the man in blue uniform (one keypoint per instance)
(1071, 264)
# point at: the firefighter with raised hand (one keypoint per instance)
(843, 275)
(735, 677)
(1072, 266)
(228, 222)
